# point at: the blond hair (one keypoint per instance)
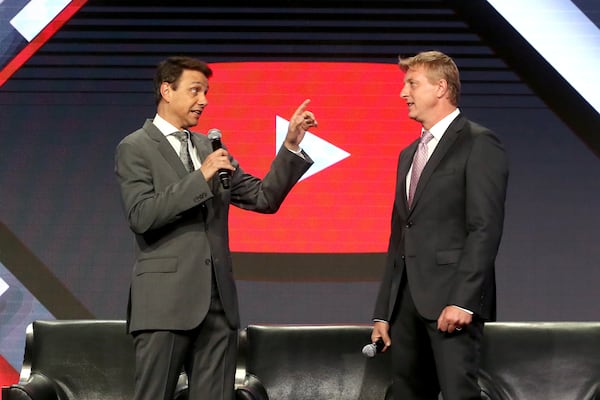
(438, 66)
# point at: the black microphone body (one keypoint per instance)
(372, 349)
(214, 135)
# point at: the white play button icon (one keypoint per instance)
(3, 286)
(323, 153)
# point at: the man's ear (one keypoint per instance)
(442, 88)
(165, 91)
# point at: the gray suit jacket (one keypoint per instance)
(448, 241)
(180, 223)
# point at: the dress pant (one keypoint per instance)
(207, 354)
(426, 361)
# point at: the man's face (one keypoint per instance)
(186, 103)
(420, 94)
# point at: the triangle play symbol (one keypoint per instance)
(323, 153)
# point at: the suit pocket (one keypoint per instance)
(445, 257)
(156, 265)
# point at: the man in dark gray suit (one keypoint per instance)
(438, 286)
(183, 310)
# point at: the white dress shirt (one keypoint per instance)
(437, 131)
(168, 130)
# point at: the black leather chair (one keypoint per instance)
(541, 360)
(310, 363)
(520, 361)
(78, 360)
(91, 359)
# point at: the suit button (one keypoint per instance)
(403, 257)
(207, 261)
(409, 224)
(200, 197)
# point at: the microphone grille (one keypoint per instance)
(369, 351)
(214, 134)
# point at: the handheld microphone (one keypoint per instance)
(372, 349)
(214, 135)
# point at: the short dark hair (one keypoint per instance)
(170, 71)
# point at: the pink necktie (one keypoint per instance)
(419, 161)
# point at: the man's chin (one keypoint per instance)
(193, 122)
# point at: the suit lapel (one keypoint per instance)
(165, 148)
(440, 151)
(203, 149)
(403, 168)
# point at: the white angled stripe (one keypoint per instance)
(3, 286)
(36, 15)
(563, 35)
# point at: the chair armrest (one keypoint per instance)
(491, 390)
(251, 389)
(388, 393)
(37, 387)
(181, 390)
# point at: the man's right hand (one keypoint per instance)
(381, 330)
(218, 159)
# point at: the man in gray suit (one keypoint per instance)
(439, 286)
(183, 311)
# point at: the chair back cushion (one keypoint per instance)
(541, 360)
(316, 362)
(86, 359)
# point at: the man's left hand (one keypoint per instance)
(453, 318)
(300, 122)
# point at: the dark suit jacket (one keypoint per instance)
(448, 241)
(180, 223)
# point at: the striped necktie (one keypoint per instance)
(419, 161)
(184, 152)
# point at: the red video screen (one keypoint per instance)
(343, 203)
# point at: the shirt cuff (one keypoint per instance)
(464, 309)
(299, 153)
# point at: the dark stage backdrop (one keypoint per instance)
(65, 249)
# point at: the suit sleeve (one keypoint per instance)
(267, 195)
(390, 282)
(486, 176)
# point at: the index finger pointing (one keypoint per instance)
(302, 107)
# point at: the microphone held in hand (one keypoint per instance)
(372, 349)
(214, 135)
